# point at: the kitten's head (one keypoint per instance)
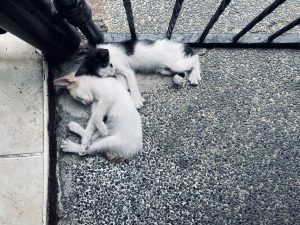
(97, 62)
(78, 88)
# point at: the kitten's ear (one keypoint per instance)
(65, 81)
(102, 53)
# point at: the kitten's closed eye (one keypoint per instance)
(85, 100)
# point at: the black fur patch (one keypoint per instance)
(188, 51)
(181, 75)
(96, 58)
(130, 45)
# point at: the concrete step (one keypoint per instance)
(23, 132)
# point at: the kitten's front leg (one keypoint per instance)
(194, 76)
(87, 136)
(133, 87)
(76, 128)
(99, 111)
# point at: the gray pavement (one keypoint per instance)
(226, 152)
(153, 16)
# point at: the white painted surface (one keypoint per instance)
(23, 140)
(21, 191)
(21, 97)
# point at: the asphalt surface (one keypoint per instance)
(225, 152)
(153, 16)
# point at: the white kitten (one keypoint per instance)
(120, 137)
(162, 56)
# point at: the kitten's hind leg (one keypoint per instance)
(69, 146)
(101, 145)
(76, 128)
(111, 148)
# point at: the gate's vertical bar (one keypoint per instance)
(257, 19)
(175, 14)
(213, 20)
(283, 30)
(128, 10)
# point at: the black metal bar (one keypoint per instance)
(224, 40)
(175, 14)
(214, 19)
(128, 10)
(79, 14)
(39, 27)
(283, 30)
(257, 19)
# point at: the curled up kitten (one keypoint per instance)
(120, 137)
(125, 58)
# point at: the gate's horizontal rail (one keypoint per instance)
(284, 29)
(289, 40)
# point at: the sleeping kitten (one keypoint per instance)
(162, 56)
(120, 137)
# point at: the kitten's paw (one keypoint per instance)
(103, 131)
(69, 146)
(178, 80)
(82, 152)
(84, 146)
(194, 79)
(138, 101)
(74, 127)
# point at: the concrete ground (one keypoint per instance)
(23, 133)
(153, 16)
(226, 152)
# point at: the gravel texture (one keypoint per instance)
(226, 152)
(152, 16)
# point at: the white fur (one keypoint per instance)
(121, 136)
(157, 57)
(178, 80)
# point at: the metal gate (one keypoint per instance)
(205, 39)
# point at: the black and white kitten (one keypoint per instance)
(162, 56)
